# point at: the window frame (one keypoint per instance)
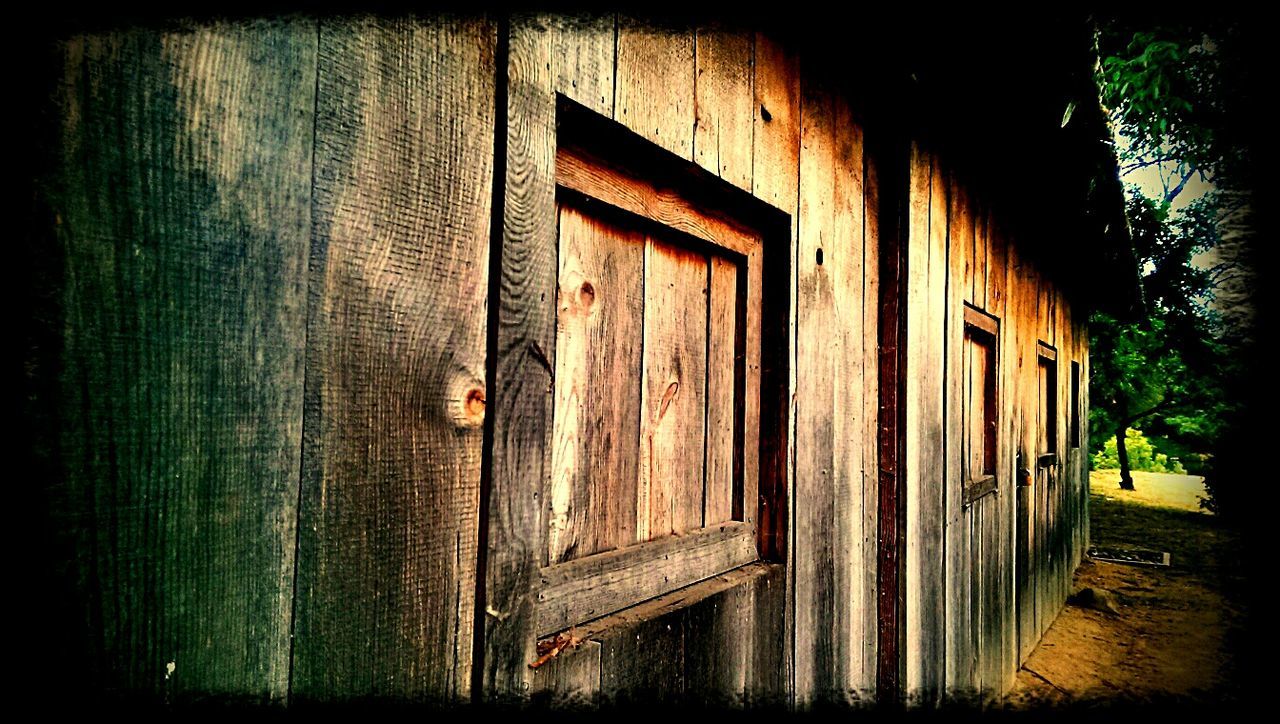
(984, 328)
(603, 168)
(1047, 353)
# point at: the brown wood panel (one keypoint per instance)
(578, 170)
(673, 391)
(595, 453)
(718, 646)
(655, 84)
(722, 141)
(396, 359)
(177, 267)
(723, 395)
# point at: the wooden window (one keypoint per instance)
(979, 408)
(1077, 437)
(1048, 393)
(657, 396)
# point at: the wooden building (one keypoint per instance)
(384, 358)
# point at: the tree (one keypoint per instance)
(1172, 87)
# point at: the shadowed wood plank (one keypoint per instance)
(655, 84)
(722, 134)
(571, 679)
(396, 360)
(179, 213)
(596, 442)
(673, 408)
(775, 180)
(816, 530)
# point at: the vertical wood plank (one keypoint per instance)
(845, 260)
(645, 663)
(182, 198)
(957, 421)
(582, 58)
(655, 84)
(673, 408)
(816, 626)
(722, 322)
(925, 645)
(396, 359)
(871, 421)
(570, 679)
(545, 55)
(717, 651)
(775, 180)
(722, 140)
(595, 449)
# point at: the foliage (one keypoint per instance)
(1143, 456)
(1175, 88)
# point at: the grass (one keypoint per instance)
(1180, 492)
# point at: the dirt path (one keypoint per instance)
(1177, 629)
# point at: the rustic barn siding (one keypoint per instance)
(396, 360)
(351, 332)
(968, 625)
(181, 191)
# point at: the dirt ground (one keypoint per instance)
(1178, 629)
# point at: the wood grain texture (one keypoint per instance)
(629, 191)
(595, 452)
(571, 680)
(925, 623)
(396, 390)
(722, 141)
(815, 536)
(578, 591)
(722, 393)
(870, 420)
(673, 391)
(180, 201)
(655, 84)
(844, 258)
(958, 419)
(775, 180)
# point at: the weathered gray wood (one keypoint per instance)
(723, 113)
(775, 180)
(871, 421)
(814, 535)
(958, 415)
(571, 679)
(396, 359)
(717, 648)
(925, 621)
(578, 591)
(595, 456)
(655, 84)
(181, 196)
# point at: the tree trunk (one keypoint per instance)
(1126, 478)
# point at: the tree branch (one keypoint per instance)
(1171, 195)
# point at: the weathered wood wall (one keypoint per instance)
(969, 625)
(272, 394)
